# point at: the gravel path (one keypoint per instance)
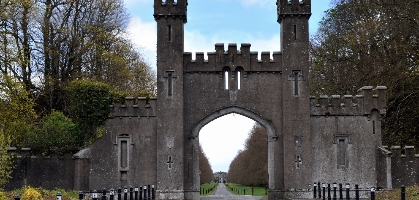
(223, 193)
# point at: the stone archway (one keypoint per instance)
(272, 136)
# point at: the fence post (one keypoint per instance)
(340, 191)
(253, 191)
(141, 193)
(17, 197)
(81, 195)
(153, 192)
(347, 191)
(145, 192)
(149, 192)
(324, 191)
(59, 196)
(320, 190)
(314, 190)
(373, 193)
(94, 196)
(329, 196)
(131, 192)
(136, 193)
(104, 194)
(334, 191)
(356, 192)
(119, 194)
(111, 194)
(125, 193)
(403, 193)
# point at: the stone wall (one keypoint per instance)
(346, 132)
(400, 168)
(126, 153)
(49, 172)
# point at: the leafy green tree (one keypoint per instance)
(16, 115)
(363, 43)
(6, 164)
(57, 135)
(89, 108)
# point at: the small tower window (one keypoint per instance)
(238, 80)
(169, 32)
(295, 32)
(226, 80)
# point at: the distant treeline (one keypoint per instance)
(250, 166)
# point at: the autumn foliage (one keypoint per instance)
(206, 173)
(250, 166)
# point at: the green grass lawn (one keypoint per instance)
(412, 193)
(246, 190)
(208, 188)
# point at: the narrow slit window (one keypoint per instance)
(124, 154)
(373, 127)
(296, 84)
(170, 84)
(342, 145)
(226, 80)
(295, 32)
(238, 80)
(169, 32)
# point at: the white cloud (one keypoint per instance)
(144, 34)
(249, 3)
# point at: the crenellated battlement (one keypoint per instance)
(170, 8)
(135, 107)
(363, 104)
(244, 58)
(293, 8)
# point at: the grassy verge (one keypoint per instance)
(246, 190)
(412, 193)
(208, 188)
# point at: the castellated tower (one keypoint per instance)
(293, 15)
(170, 16)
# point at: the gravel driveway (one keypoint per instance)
(223, 193)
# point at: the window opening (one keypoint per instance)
(169, 30)
(373, 127)
(226, 80)
(169, 162)
(342, 152)
(296, 83)
(124, 154)
(170, 84)
(295, 32)
(238, 80)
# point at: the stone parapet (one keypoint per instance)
(338, 105)
(244, 58)
(135, 107)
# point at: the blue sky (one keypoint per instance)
(219, 21)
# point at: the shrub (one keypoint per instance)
(57, 135)
(2, 196)
(31, 194)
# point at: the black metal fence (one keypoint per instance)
(146, 192)
(336, 191)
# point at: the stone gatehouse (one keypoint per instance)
(155, 141)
